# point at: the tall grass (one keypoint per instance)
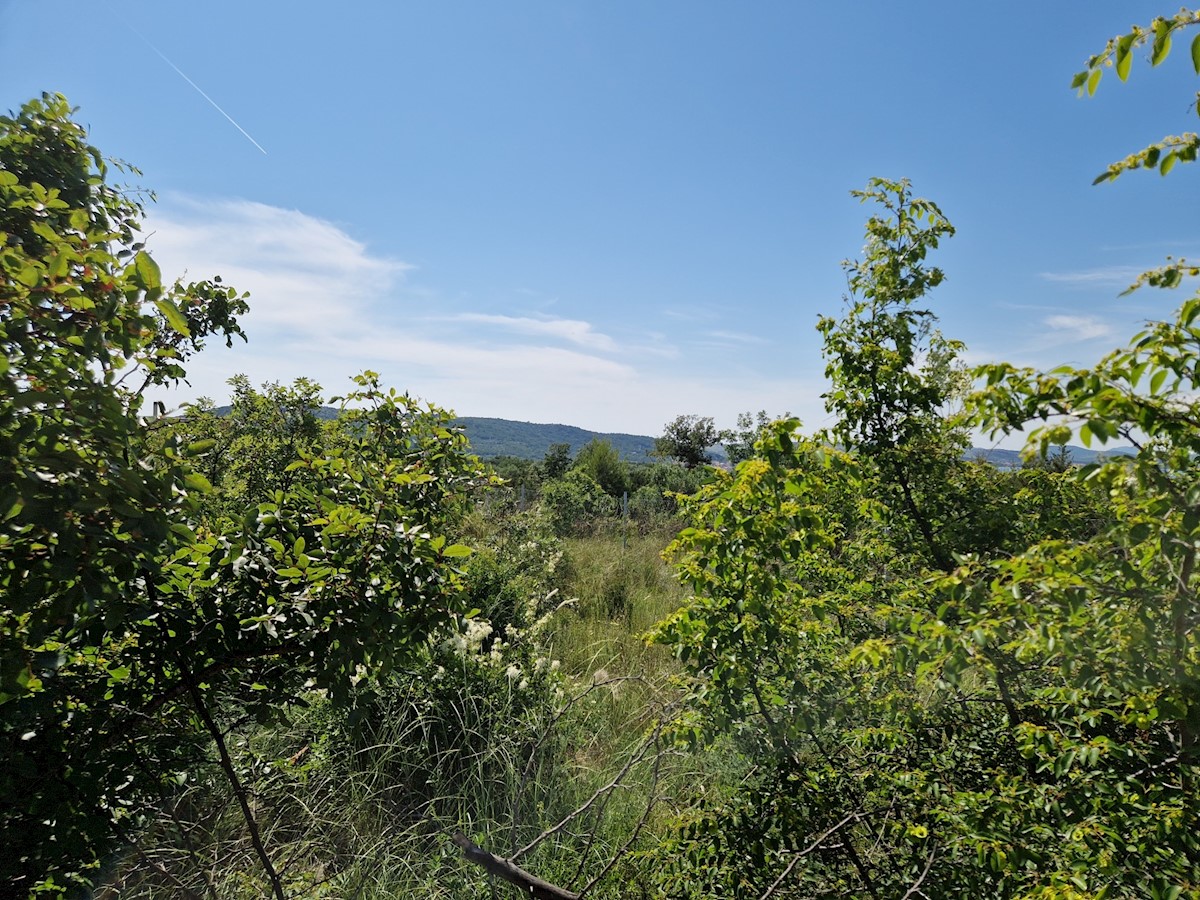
(544, 735)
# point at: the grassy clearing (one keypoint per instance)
(565, 761)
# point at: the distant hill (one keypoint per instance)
(529, 440)
(1011, 459)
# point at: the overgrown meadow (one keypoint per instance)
(261, 652)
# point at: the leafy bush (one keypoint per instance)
(576, 502)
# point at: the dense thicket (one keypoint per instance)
(263, 651)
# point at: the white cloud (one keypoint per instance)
(302, 272)
(1079, 328)
(325, 306)
(736, 337)
(572, 330)
(1104, 276)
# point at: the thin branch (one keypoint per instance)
(914, 888)
(800, 854)
(651, 800)
(510, 872)
(599, 792)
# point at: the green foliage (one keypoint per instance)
(576, 502)
(687, 439)
(515, 574)
(557, 461)
(132, 614)
(739, 441)
(83, 519)
(893, 375)
(246, 454)
(656, 488)
(600, 461)
(851, 628)
(1118, 54)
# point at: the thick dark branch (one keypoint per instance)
(511, 872)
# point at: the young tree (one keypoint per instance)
(133, 629)
(814, 568)
(687, 439)
(601, 461)
(739, 441)
(556, 461)
(892, 372)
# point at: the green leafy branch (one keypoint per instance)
(1118, 54)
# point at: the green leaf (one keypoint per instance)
(456, 550)
(1124, 56)
(1168, 163)
(1079, 80)
(1157, 380)
(148, 273)
(173, 316)
(1094, 81)
(1162, 42)
(197, 447)
(1196, 53)
(30, 276)
(197, 482)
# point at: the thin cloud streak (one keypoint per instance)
(573, 330)
(1121, 276)
(737, 337)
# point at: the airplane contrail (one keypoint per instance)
(199, 90)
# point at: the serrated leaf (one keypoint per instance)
(173, 316)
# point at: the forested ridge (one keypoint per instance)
(491, 438)
(260, 650)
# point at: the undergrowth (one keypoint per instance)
(537, 730)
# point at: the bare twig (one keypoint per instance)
(510, 872)
(633, 760)
(915, 887)
(650, 801)
(800, 854)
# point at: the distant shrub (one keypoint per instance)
(576, 502)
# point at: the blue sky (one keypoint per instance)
(609, 213)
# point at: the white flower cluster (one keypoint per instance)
(508, 652)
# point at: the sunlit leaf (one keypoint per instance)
(173, 316)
